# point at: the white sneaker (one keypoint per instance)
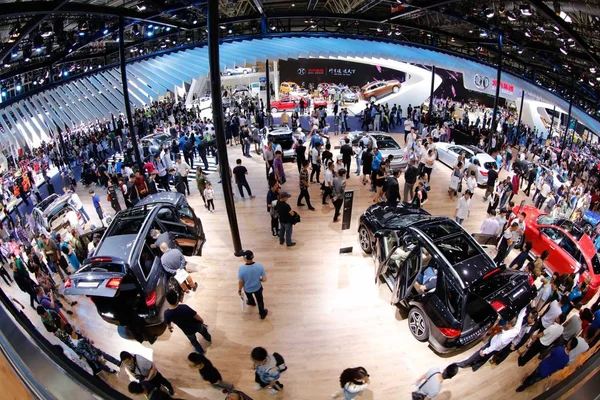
(258, 387)
(273, 391)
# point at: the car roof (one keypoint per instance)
(162, 197)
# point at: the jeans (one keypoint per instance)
(347, 167)
(532, 379)
(476, 361)
(536, 348)
(358, 165)
(285, 229)
(304, 195)
(244, 184)
(99, 212)
(5, 275)
(316, 169)
(540, 202)
(408, 192)
(259, 300)
(159, 381)
(201, 329)
(338, 205)
(84, 214)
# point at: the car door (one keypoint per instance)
(381, 253)
(188, 217)
(407, 275)
(453, 152)
(549, 239)
(184, 236)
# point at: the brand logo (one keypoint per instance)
(301, 71)
(481, 82)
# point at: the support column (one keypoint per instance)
(520, 113)
(497, 97)
(124, 82)
(552, 121)
(276, 78)
(268, 86)
(217, 107)
(264, 24)
(431, 97)
(569, 115)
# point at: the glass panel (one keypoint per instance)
(457, 249)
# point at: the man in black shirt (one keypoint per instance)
(393, 189)
(240, 173)
(187, 320)
(347, 153)
(491, 182)
(300, 154)
(286, 217)
(410, 178)
(530, 179)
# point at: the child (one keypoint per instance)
(208, 372)
(209, 195)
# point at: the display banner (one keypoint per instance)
(309, 72)
(487, 84)
(347, 215)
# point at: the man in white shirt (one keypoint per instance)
(490, 225)
(544, 192)
(502, 220)
(75, 201)
(463, 207)
(578, 346)
(551, 314)
(500, 340)
(328, 182)
(184, 169)
(408, 125)
(541, 341)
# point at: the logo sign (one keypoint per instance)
(481, 82)
(301, 71)
(504, 87)
(347, 214)
(341, 71)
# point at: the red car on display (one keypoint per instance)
(284, 103)
(316, 103)
(570, 248)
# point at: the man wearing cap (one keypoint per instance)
(505, 242)
(251, 275)
(286, 217)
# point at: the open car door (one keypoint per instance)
(184, 235)
(408, 271)
(188, 217)
(380, 254)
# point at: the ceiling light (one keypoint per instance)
(511, 16)
(520, 51)
(389, 33)
(46, 31)
(222, 27)
(272, 27)
(398, 33)
(525, 10)
(168, 28)
(593, 70)
(565, 17)
(563, 50)
(313, 26)
(489, 12)
(105, 32)
(18, 88)
(230, 31)
(470, 30)
(15, 54)
(27, 59)
(141, 7)
(528, 33)
(379, 29)
(195, 22)
(483, 34)
(293, 5)
(598, 78)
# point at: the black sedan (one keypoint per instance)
(453, 290)
(125, 278)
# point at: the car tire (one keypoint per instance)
(588, 228)
(273, 110)
(418, 324)
(395, 89)
(229, 73)
(364, 238)
(373, 99)
(245, 72)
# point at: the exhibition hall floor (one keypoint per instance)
(325, 311)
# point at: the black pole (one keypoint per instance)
(569, 116)
(520, 113)
(136, 149)
(497, 97)
(268, 87)
(217, 107)
(552, 122)
(431, 97)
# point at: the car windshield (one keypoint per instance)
(566, 224)
(439, 230)
(46, 202)
(278, 139)
(126, 226)
(387, 144)
(457, 249)
(163, 138)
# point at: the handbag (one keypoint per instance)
(454, 181)
(416, 395)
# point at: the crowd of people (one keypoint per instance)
(108, 160)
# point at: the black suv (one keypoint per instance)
(451, 287)
(125, 278)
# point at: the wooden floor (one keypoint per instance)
(10, 385)
(325, 311)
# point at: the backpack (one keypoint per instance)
(280, 362)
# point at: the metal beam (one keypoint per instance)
(562, 24)
(258, 5)
(416, 6)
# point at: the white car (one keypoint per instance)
(237, 70)
(280, 136)
(448, 154)
(203, 103)
(557, 180)
(386, 144)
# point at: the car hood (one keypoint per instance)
(587, 247)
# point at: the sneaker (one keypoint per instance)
(291, 244)
(69, 312)
(251, 304)
(265, 314)
(195, 286)
(258, 387)
(312, 208)
(273, 391)
(73, 304)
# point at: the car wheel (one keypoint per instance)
(395, 89)
(229, 73)
(418, 324)
(365, 240)
(245, 72)
(588, 228)
(273, 109)
(373, 99)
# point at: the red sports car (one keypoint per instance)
(284, 103)
(320, 103)
(570, 248)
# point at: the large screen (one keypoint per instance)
(308, 72)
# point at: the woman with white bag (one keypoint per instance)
(456, 181)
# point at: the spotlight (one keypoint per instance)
(150, 26)
(105, 32)
(4, 94)
(222, 27)
(483, 34)
(528, 33)
(27, 59)
(525, 11)
(81, 33)
(389, 33)
(520, 51)
(141, 7)
(18, 87)
(563, 50)
(397, 33)
(46, 31)
(149, 33)
(313, 26)
(452, 40)
(14, 54)
(293, 5)
(489, 12)
(272, 27)
(168, 28)
(195, 22)
(593, 70)
(135, 29)
(379, 29)
(511, 16)
(230, 31)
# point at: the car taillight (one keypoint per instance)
(484, 173)
(498, 305)
(101, 259)
(151, 299)
(68, 283)
(113, 283)
(531, 280)
(450, 333)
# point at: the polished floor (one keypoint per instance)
(325, 311)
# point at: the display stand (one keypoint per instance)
(347, 217)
